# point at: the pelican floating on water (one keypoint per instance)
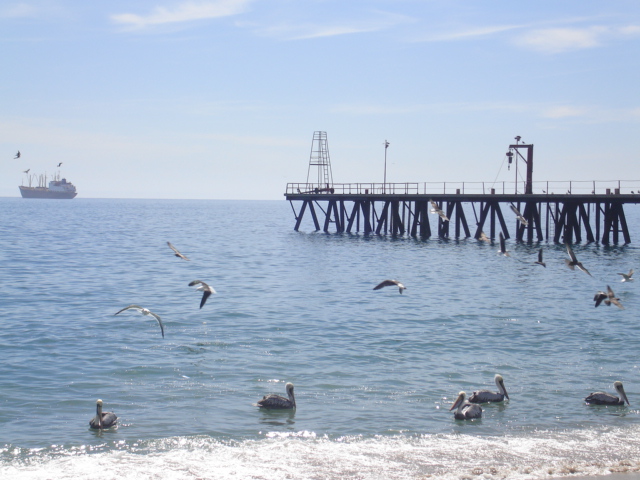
(626, 277)
(102, 419)
(485, 396)
(276, 401)
(206, 290)
(176, 252)
(574, 261)
(603, 398)
(144, 311)
(390, 283)
(465, 410)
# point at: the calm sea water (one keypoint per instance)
(375, 372)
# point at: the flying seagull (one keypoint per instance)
(602, 398)
(438, 210)
(540, 262)
(176, 252)
(523, 220)
(144, 311)
(17, 155)
(390, 283)
(206, 290)
(60, 164)
(503, 248)
(626, 277)
(276, 401)
(574, 261)
(483, 237)
(609, 297)
(26, 171)
(102, 419)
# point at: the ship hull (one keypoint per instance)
(43, 192)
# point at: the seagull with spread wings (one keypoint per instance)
(206, 290)
(144, 311)
(390, 283)
(574, 261)
(176, 252)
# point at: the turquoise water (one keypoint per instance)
(375, 372)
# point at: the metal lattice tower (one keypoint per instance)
(320, 158)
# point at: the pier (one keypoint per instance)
(580, 211)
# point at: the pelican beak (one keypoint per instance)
(456, 403)
(504, 390)
(624, 396)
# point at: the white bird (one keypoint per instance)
(176, 252)
(144, 311)
(206, 290)
(609, 297)
(574, 261)
(626, 277)
(523, 220)
(438, 210)
(540, 262)
(503, 248)
(483, 237)
(276, 401)
(603, 398)
(485, 396)
(390, 283)
(102, 419)
(465, 410)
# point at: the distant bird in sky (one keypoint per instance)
(523, 220)
(276, 401)
(206, 290)
(540, 262)
(60, 164)
(603, 398)
(609, 298)
(626, 277)
(27, 170)
(144, 311)
(17, 155)
(176, 252)
(503, 248)
(436, 209)
(574, 261)
(465, 410)
(102, 419)
(390, 283)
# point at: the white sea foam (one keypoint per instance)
(303, 455)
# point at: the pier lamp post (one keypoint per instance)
(384, 185)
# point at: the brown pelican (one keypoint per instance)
(608, 298)
(17, 155)
(522, 220)
(503, 248)
(206, 290)
(603, 398)
(485, 396)
(540, 262)
(626, 277)
(276, 401)
(465, 410)
(102, 419)
(176, 252)
(144, 311)
(436, 209)
(390, 283)
(574, 261)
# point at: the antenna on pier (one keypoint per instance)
(320, 158)
(528, 187)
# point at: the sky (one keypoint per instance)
(219, 99)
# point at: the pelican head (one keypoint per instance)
(459, 401)
(289, 388)
(620, 389)
(500, 384)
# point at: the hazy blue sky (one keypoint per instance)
(220, 98)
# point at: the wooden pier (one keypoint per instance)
(593, 211)
(401, 210)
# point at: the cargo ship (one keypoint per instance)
(58, 188)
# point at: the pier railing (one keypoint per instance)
(600, 187)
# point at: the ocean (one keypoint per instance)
(375, 372)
